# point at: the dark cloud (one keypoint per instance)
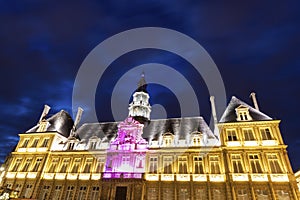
(255, 45)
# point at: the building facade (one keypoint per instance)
(244, 157)
(297, 175)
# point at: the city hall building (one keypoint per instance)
(244, 157)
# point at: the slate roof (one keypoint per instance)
(229, 114)
(155, 128)
(61, 122)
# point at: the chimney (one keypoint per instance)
(213, 109)
(77, 120)
(252, 95)
(45, 112)
(78, 117)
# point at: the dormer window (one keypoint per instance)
(93, 142)
(196, 138)
(168, 139)
(71, 145)
(93, 145)
(242, 114)
(42, 126)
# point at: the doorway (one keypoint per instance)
(121, 193)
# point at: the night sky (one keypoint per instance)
(255, 45)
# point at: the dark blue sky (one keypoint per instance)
(255, 45)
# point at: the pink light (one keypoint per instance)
(121, 155)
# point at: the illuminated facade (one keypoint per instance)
(297, 175)
(181, 158)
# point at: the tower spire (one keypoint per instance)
(142, 84)
(140, 108)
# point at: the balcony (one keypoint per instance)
(269, 142)
(72, 176)
(11, 174)
(60, 176)
(240, 177)
(259, 177)
(84, 176)
(48, 176)
(152, 177)
(250, 143)
(96, 176)
(21, 175)
(167, 177)
(199, 177)
(234, 144)
(32, 175)
(217, 177)
(183, 177)
(279, 177)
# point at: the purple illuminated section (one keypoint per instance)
(127, 152)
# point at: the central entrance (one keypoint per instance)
(121, 193)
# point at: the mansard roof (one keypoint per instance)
(180, 127)
(229, 114)
(60, 122)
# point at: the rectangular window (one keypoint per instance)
(27, 164)
(18, 189)
(214, 165)
(196, 140)
(139, 162)
(88, 164)
(37, 164)
(167, 163)
(266, 134)
(255, 164)
(262, 194)
(231, 135)
(167, 193)
(183, 194)
(218, 194)
(274, 163)
(282, 195)
(198, 165)
(236, 161)
(248, 134)
(242, 194)
(153, 165)
(53, 165)
(45, 192)
(100, 165)
(45, 142)
(125, 160)
(200, 194)
(35, 142)
(17, 165)
(64, 166)
(28, 191)
(25, 143)
(82, 193)
(152, 193)
(57, 192)
(76, 165)
(94, 193)
(182, 165)
(69, 193)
